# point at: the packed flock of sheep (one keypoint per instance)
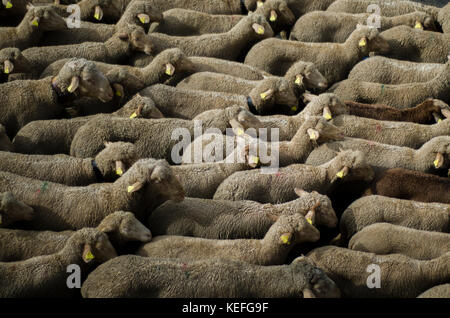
(100, 197)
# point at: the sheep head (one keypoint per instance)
(12, 210)
(137, 39)
(259, 26)
(252, 5)
(142, 107)
(439, 150)
(306, 75)
(349, 165)
(126, 227)
(174, 60)
(100, 8)
(45, 18)
(319, 130)
(320, 209)
(11, 59)
(422, 21)
(94, 246)
(144, 12)
(116, 159)
(294, 229)
(83, 78)
(240, 119)
(273, 91)
(368, 41)
(276, 11)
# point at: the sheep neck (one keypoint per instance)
(27, 33)
(271, 247)
(153, 73)
(116, 50)
(299, 147)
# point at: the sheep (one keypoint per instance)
(387, 8)
(402, 184)
(337, 26)
(228, 45)
(28, 32)
(136, 276)
(57, 207)
(46, 276)
(5, 142)
(300, 76)
(444, 18)
(412, 214)
(314, 131)
(428, 158)
(399, 96)
(440, 291)
(93, 10)
(107, 166)
(13, 65)
(187, 103)
(114, 50)
(18, 245)
(50, 137)
(379, 69)
(417, 45)
(282, 236)
(301, 7)
(41, 99)
(13, 210)
(275, 188)
(333, 60)
(140, 13)
(182, 22)
(221, 219)
(89, 139)
(385, 238)
(399, 275)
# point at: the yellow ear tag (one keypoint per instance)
(309, 220)
(363, 42)
(298, 80)
(312, 136)
(273, 17)
(69, 89)
(327, 116)
(35, 23)
(133, 115)
(89, 256)
(260, 30)
(439, 120)
(254, 159)
(294, 108)
(130, 188)
(436, 163)
(119, 172)
(418, 26)
(143, 20)
(263, 96)
(118, 93)
(6, 70)
(169, 70)
(240, 131)
(340, 174)
(8, 5)
(97, 16)
(285, 239)
(259, 4)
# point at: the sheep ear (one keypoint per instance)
(135, 187)
(259, 29)
(8, 66)
(170, 69)
(35, 22)
(299, 79)
(73, 84)
(445, 112)
(307, 293)
(308, 97)
(98, 13)
(300, 192)
(286, 238)
(144, 18)
(88, 256)
(362, 42)
(272, 216)
(267, 94)
(311, 216)
(313, 134)
(120, 168)
(237, 127)
(118, 89)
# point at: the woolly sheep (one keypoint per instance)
(46, 276)
(337, 26)
(444, 18)
(13, 210)
(276, 187)
(333, 60)
(107, 166)
(236, 219)
(282, 236)
(150, 277)
(348, 269)
(17, 245)
(144, 186)
(385, 238)
(431, 156)
(48, 137)
(40, 99)
(417, 45)
(402, 184)
(28, 32)
(440, 291)
(398, 96)
(412, 214)
(379, 69)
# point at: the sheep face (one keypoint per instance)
(277, 11)
(319, 285)
(321, 131)
(271, 91)
(95, 247)
(12, 210)
(241, 119)
(313, 79)
(105, 7)
(126, 226)
(174, 61)
(11, 59)
(261, 28)
(327, 105)
(350, 165)
(144, 107)
(137, 40)
(439, 147)
(369, 41)
(166, 185)
(423, 21)
(251, 5)
(145, 13)
(116, 159)
(320, 209)
(46, 19)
